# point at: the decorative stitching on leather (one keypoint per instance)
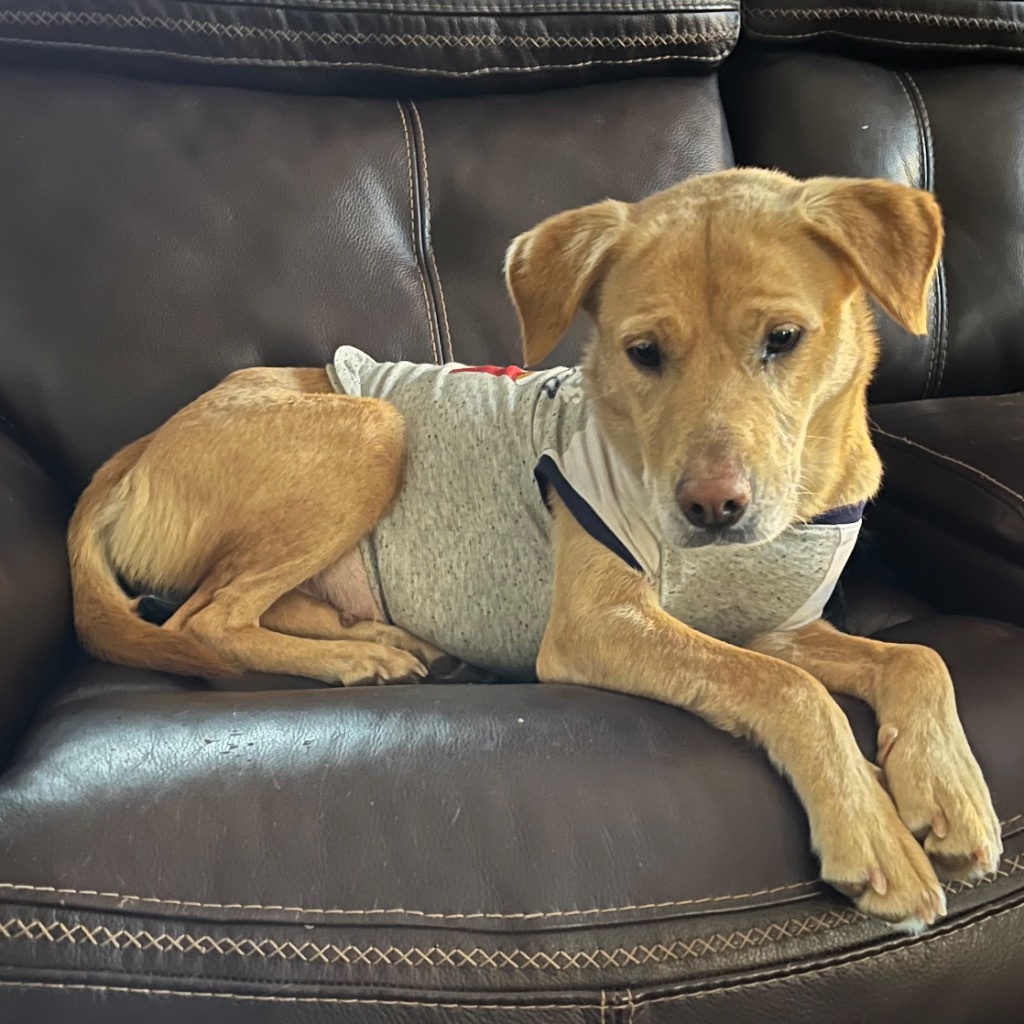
(759, 33)
(849, 960)
(888, 14)
(537, 915)
(949, 458)
(95, 19)
(830, 919)
(268, 62)
(243, 997)
(412, 236)
(58, 932)
(430, 222)
(686, 7)
(398, 911)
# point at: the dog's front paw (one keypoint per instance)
(870, 856)
(942, 797)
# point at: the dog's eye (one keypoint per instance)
(782, 339)
(645, 354)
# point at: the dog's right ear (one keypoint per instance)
(551, 269)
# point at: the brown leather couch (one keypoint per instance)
(188, 188)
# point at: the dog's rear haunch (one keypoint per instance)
(720, 413)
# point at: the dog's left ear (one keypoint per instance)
(891, 235)
(551, 269)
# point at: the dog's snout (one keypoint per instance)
(714, 503)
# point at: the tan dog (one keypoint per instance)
(733, 349)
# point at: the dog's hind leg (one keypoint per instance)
(311, 473)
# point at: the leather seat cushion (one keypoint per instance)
(452, 839)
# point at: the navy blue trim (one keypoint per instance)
(841, 516)
(154, 608)
(548, 473)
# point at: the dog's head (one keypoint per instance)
(734, 343)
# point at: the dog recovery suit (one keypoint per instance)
(463, 559)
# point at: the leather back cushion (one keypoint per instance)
(957, 130)
(952, 26)
(154, 237)
(371, 44)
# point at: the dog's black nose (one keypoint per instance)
(714, 503)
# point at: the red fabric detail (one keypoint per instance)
(512, 372)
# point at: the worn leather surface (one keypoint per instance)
(994, 27)
(813, 114)
(447, 44)
(432, 843)
(34, 599)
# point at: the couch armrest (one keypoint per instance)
(952, 506)
(35, 596)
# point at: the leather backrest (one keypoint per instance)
(161, 236)
(957, 129)
(373, 45)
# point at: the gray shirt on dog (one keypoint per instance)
(463, 559)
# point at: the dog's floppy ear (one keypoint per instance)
(890, 234)
(551, 269)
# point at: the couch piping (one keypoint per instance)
(926, 146)
(426, 236)
(414, 236)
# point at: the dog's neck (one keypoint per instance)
(840, 465)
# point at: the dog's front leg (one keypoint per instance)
(607, 630)
(930, 769)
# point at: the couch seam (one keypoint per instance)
(267, 62)
(757, 936)
(853, 961)
(398, 911)
(422, 914)
(942, 296)
(758, 33)
(428, 231)
(73, 19)
(689, 8)
(922, 128)
(885, 14)
(57, 932)
(956, 462)
(244, 997)
(414, 233)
